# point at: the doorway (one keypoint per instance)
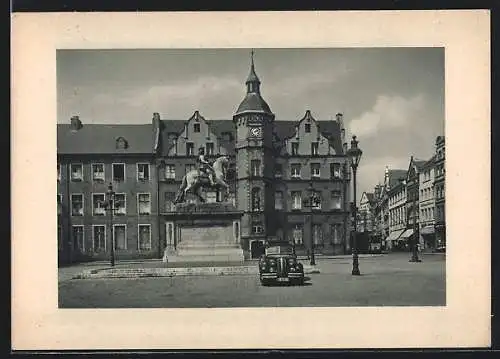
(257, 249)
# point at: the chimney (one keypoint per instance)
(76, 124)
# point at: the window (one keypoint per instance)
(335, 170)
(144, 237)
(144, 203)
(76, 172)
(120, 236)
(255, 168)
(295, 148)
(211, 197)
(257, 228)
(278, 170)
(77, 204)
(120, 204)
(196, 127)
(78, 238)
(190, 167)
(318, 235)
(315, 170)
(336, 200)
(98, 172)
(315, 148)
(295, 170)
(143, 171)
(316, 201)
(60, 238)
(119, 172)
(170, 171)
(189, 149)
(59, 203)
(297, 235)
(59, 172)
(99, 238)
(278, 200)
(169, 201)
(210, 148)
(336, 233)
(308, 127)
(98, 204)
(256, 202)
(296, 200)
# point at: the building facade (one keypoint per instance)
(439, 192)
(427, 205)
(273, 164)
(366, 221)
(396, 200)
(412, 232)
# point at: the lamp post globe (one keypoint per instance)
(354, 154)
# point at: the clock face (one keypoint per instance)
(256, 132)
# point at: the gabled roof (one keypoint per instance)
(102, 139)
(395, 176)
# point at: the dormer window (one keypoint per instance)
(121, 143)
(308, 128)
(196, 127)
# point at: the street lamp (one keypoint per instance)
(354, 154)
(311, 202)
(110, 208)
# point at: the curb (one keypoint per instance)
(173, 272)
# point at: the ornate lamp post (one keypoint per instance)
(110, 208)
(310, 203)
(354, 154)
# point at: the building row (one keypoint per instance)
(409, 205)
(275, 166)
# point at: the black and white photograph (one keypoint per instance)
(251, 177)
(251, 180)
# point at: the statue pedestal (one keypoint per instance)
(206, 232)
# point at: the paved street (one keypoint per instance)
(388, 280)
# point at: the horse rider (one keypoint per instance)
(205, 166)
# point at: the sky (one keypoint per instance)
(392, 99)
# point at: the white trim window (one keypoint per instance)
(144, 204)
(315, 170)
(99, 238)
(76, 172)
(335, 170)
(336, 200)
(255, 168)
(120, 236)
(189, 149)
(118, 170)
(78, 238)
(77, 203)
(143, 171)
(297, 235)
(144, 237)
(170, 171)
(169, 201)
(98, 172)
(317, 202)
(98, 204)
(314, 148)
(296, 200)
(257, 228)
(210, 148)
(278, 200)
(295, 148)
(295, 170)
(120, 204)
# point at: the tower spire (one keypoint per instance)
(253, 82)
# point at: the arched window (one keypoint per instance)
(256, 200)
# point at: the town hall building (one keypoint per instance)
(275, 166)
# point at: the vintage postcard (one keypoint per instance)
(238, 173)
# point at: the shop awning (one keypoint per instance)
(394, 235)
(406, 234)
(427, 230)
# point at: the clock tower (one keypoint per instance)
(254, 123)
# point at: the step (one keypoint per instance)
(206, 258)
(201, 246)
(208, 251)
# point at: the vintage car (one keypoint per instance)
(280, 264)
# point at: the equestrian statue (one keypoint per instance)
(208, 176)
